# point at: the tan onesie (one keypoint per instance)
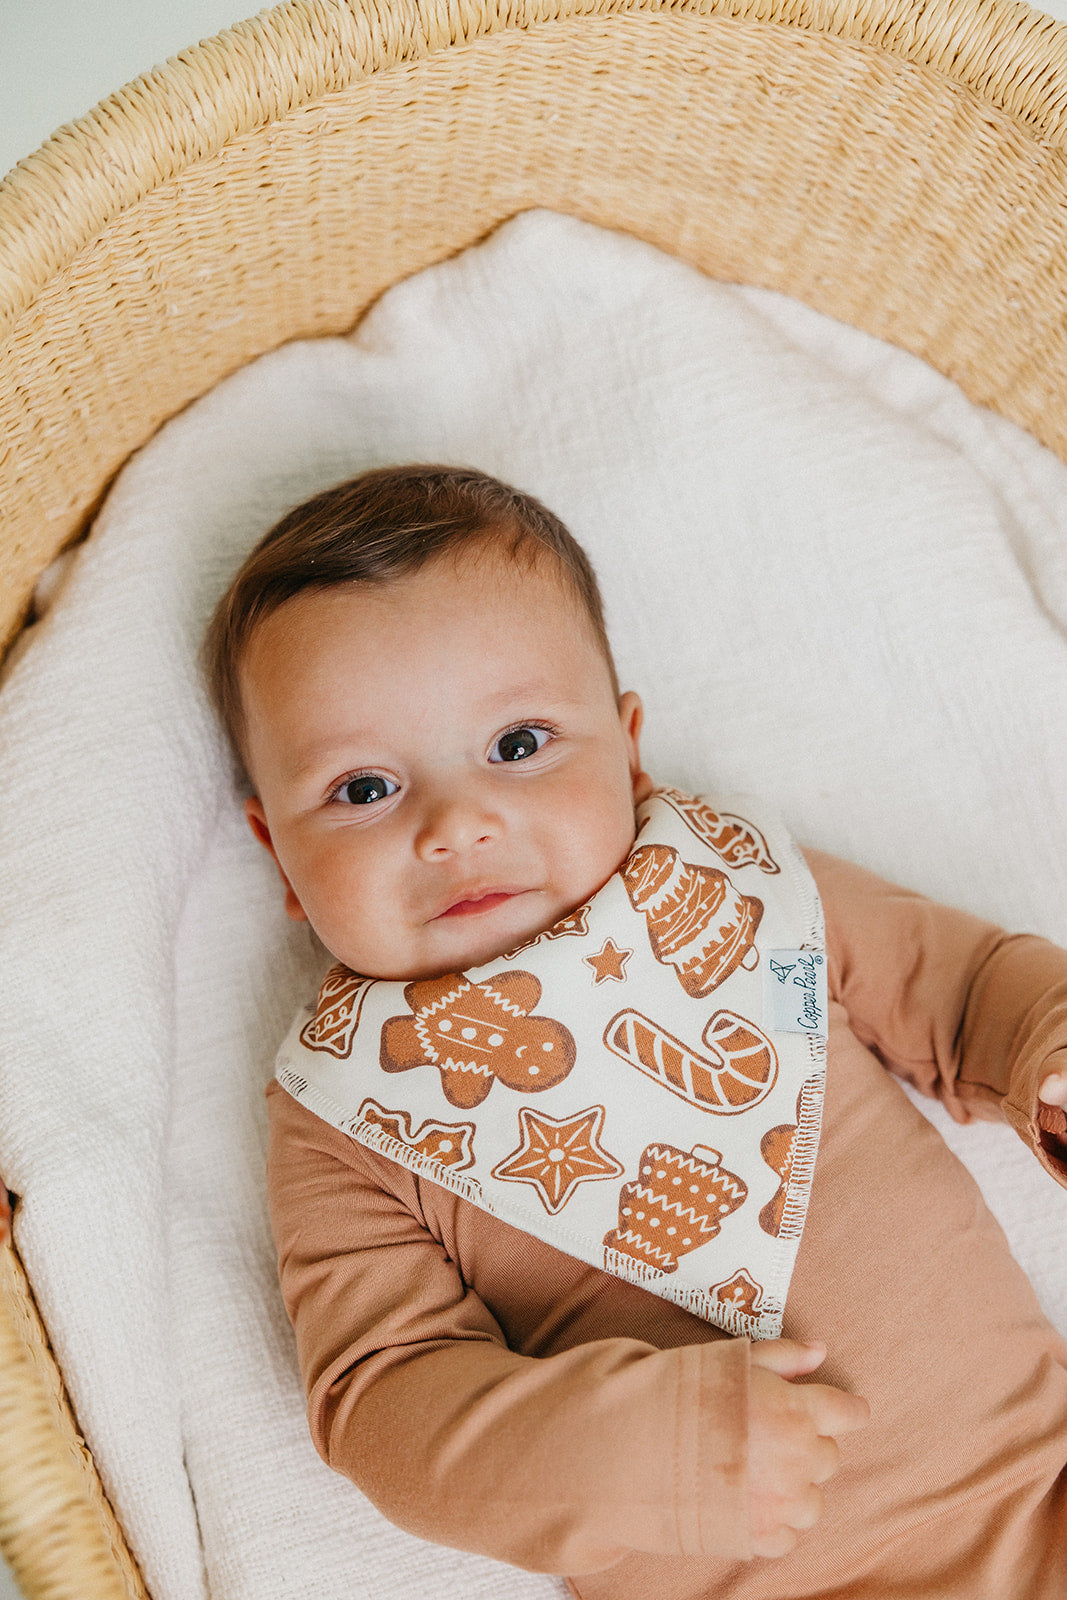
(490, 1393)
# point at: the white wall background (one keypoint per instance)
(59, 57)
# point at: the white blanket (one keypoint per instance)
(877, 643)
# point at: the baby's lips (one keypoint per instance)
(476, 898)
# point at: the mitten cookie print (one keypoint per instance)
(736, 841)
(680, 1200)
(336, 1018)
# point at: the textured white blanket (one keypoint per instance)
(833, 581)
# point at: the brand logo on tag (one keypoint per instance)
(795, 991)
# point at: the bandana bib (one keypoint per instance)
(640, 1086)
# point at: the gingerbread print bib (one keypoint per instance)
(640, 1086)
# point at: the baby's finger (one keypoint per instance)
(779, 1542)
(834, 1412)
(806, 1511)
(789, 1358)
(1054, 1089)
(791, 1518)
(826, 1458)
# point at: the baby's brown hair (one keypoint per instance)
(376, 529)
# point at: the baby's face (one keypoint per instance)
(442, 769)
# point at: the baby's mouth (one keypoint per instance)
(479, 903)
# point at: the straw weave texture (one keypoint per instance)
(901, 166)
(58, 1532)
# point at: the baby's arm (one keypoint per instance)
(964, 1011)
(559, 1463)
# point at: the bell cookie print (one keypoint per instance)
(698, 923)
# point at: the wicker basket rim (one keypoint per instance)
(256, 72)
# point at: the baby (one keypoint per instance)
(414, 670)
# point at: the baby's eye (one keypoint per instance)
(365, 789)
(518, 743)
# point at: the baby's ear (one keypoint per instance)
(631, 719)
(257, 821)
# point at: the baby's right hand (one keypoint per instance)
(792, 1441)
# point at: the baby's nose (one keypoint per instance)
(455, 823)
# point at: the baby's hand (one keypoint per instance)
(792, 1448)
(1054, 1090)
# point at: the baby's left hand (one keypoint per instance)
(1054, 1090)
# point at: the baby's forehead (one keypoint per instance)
(505, 557)
(457, 594)
(481, 577)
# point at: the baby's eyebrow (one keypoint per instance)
(327, 753)
(529, 693)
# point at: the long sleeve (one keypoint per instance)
(560, 1463)
(965, 1012)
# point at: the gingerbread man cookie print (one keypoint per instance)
(780, 1147)
(742, 1292)
(698, 923)
(478, 1033)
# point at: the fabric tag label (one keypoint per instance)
(795, 991)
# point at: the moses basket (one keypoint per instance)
(900, 165)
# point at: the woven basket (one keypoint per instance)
(901, 166)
